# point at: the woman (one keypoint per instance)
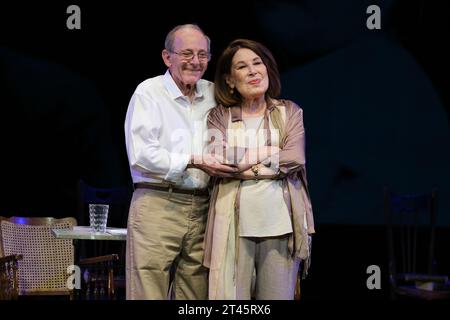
(259, 220)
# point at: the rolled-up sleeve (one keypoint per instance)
(142, 130)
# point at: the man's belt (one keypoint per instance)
(195, 192)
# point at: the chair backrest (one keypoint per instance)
(43, 269)
(117, 198)
(410, 220)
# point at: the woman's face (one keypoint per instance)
(248, 74)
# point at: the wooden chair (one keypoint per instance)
(36, 263)
(411, 223)
(9, 282)
(99, 282)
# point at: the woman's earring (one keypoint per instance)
(231, 90)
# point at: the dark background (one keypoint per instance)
(376, 108)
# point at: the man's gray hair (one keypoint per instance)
(170, 38)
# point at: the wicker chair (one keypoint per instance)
(36, 263)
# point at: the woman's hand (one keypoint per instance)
(256, 156)
(263, 173)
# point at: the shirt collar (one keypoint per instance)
(173, 89)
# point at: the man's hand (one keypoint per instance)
(213, 166)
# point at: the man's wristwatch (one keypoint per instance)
(255, 170)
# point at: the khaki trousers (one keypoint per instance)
(165, 240)
(276, 270)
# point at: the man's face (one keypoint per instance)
(184, 69)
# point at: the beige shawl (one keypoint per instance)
(220, 238)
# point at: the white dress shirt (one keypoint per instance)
(163, 128)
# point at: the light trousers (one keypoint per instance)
(276, 270)
(165, 241)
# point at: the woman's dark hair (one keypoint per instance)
(222, 90)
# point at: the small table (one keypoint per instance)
(78, 233)
(85, 233)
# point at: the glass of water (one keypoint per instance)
(98, 216)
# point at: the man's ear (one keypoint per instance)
(166, 57)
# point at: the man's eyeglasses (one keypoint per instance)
(189, 55)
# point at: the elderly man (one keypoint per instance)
(168, 211)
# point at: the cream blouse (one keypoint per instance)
(263, 211)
